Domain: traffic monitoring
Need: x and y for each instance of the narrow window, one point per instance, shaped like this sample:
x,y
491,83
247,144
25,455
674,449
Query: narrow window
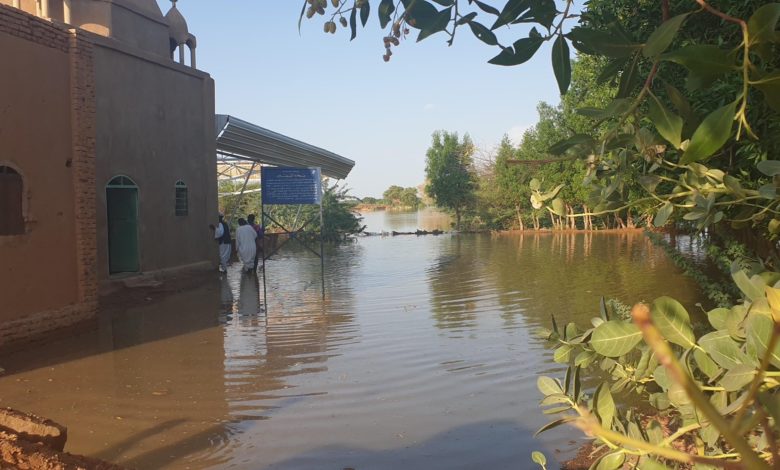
x,y
11,189
181,198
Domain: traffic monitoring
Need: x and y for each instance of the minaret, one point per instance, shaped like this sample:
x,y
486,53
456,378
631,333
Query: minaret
x,y
179,34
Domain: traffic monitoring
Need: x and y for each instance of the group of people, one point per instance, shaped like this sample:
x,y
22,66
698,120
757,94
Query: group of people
x,y
249,242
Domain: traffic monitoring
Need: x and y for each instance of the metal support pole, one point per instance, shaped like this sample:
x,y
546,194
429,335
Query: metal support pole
x,y
322,252
262,224
243,188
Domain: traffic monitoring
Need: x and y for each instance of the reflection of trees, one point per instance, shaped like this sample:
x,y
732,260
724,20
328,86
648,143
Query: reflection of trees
x,y
564,274
455,284
538,275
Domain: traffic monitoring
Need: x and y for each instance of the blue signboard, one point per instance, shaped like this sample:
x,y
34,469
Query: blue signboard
x,y
282,185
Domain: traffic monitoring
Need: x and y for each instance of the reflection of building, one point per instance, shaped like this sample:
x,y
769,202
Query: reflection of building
x,y
106,154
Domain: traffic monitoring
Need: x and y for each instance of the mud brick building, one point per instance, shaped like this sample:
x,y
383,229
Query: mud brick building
x,y
107,155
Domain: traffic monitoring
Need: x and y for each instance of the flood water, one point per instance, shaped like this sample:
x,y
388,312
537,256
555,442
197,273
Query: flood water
x,y
420,356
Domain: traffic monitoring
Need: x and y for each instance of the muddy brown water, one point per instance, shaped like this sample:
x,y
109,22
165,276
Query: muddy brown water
x,y
420,356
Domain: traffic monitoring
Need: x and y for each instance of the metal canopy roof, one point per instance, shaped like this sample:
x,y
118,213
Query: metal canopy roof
x,y
245,141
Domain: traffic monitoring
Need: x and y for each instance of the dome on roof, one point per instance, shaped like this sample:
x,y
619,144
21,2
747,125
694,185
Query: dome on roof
x,y
177,25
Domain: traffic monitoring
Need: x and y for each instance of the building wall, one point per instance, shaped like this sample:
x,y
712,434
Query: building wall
x,y
156,125
137,23
48,274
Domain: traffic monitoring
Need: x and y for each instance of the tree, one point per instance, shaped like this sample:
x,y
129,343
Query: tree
x,y
409,198
449,172
393,194
511,182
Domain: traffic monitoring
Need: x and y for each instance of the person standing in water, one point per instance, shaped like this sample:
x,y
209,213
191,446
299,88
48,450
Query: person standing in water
x,y
259,241
246,245
222,236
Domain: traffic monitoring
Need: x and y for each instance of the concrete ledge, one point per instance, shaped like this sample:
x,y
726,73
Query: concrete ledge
x,y
151,278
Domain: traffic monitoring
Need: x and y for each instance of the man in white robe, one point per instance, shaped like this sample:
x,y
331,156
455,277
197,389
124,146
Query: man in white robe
x,y
245,244
222,235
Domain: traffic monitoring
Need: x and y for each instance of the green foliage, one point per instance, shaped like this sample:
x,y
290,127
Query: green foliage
x,y
340,222
396,196
709,386
450,174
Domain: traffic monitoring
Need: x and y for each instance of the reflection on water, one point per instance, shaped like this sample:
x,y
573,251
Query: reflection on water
x,y
420,356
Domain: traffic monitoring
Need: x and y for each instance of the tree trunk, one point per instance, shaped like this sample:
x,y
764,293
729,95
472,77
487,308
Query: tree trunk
x,y
619,222
519,217
457,220
586,222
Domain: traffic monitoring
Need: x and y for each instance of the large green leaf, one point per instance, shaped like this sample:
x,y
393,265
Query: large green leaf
x,y
663,214
770,86
769,167
538,458
759,330
712,133
591,41
561,63
483,34
554,424
668,124
521,51
487,8
629,79
548,386
752,291
584,359
704,63
365,11
615,338
564,145
611,461
386,9
717,317
438,24
680,102
512,9
558,207
663,36
722,349
563,354
763,23
705,364
673,321
737,377
604,405
420,14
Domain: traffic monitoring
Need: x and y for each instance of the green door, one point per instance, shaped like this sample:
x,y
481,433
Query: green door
x,y
122,204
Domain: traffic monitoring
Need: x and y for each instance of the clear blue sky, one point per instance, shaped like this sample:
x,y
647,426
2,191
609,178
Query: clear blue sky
x,y
340,95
